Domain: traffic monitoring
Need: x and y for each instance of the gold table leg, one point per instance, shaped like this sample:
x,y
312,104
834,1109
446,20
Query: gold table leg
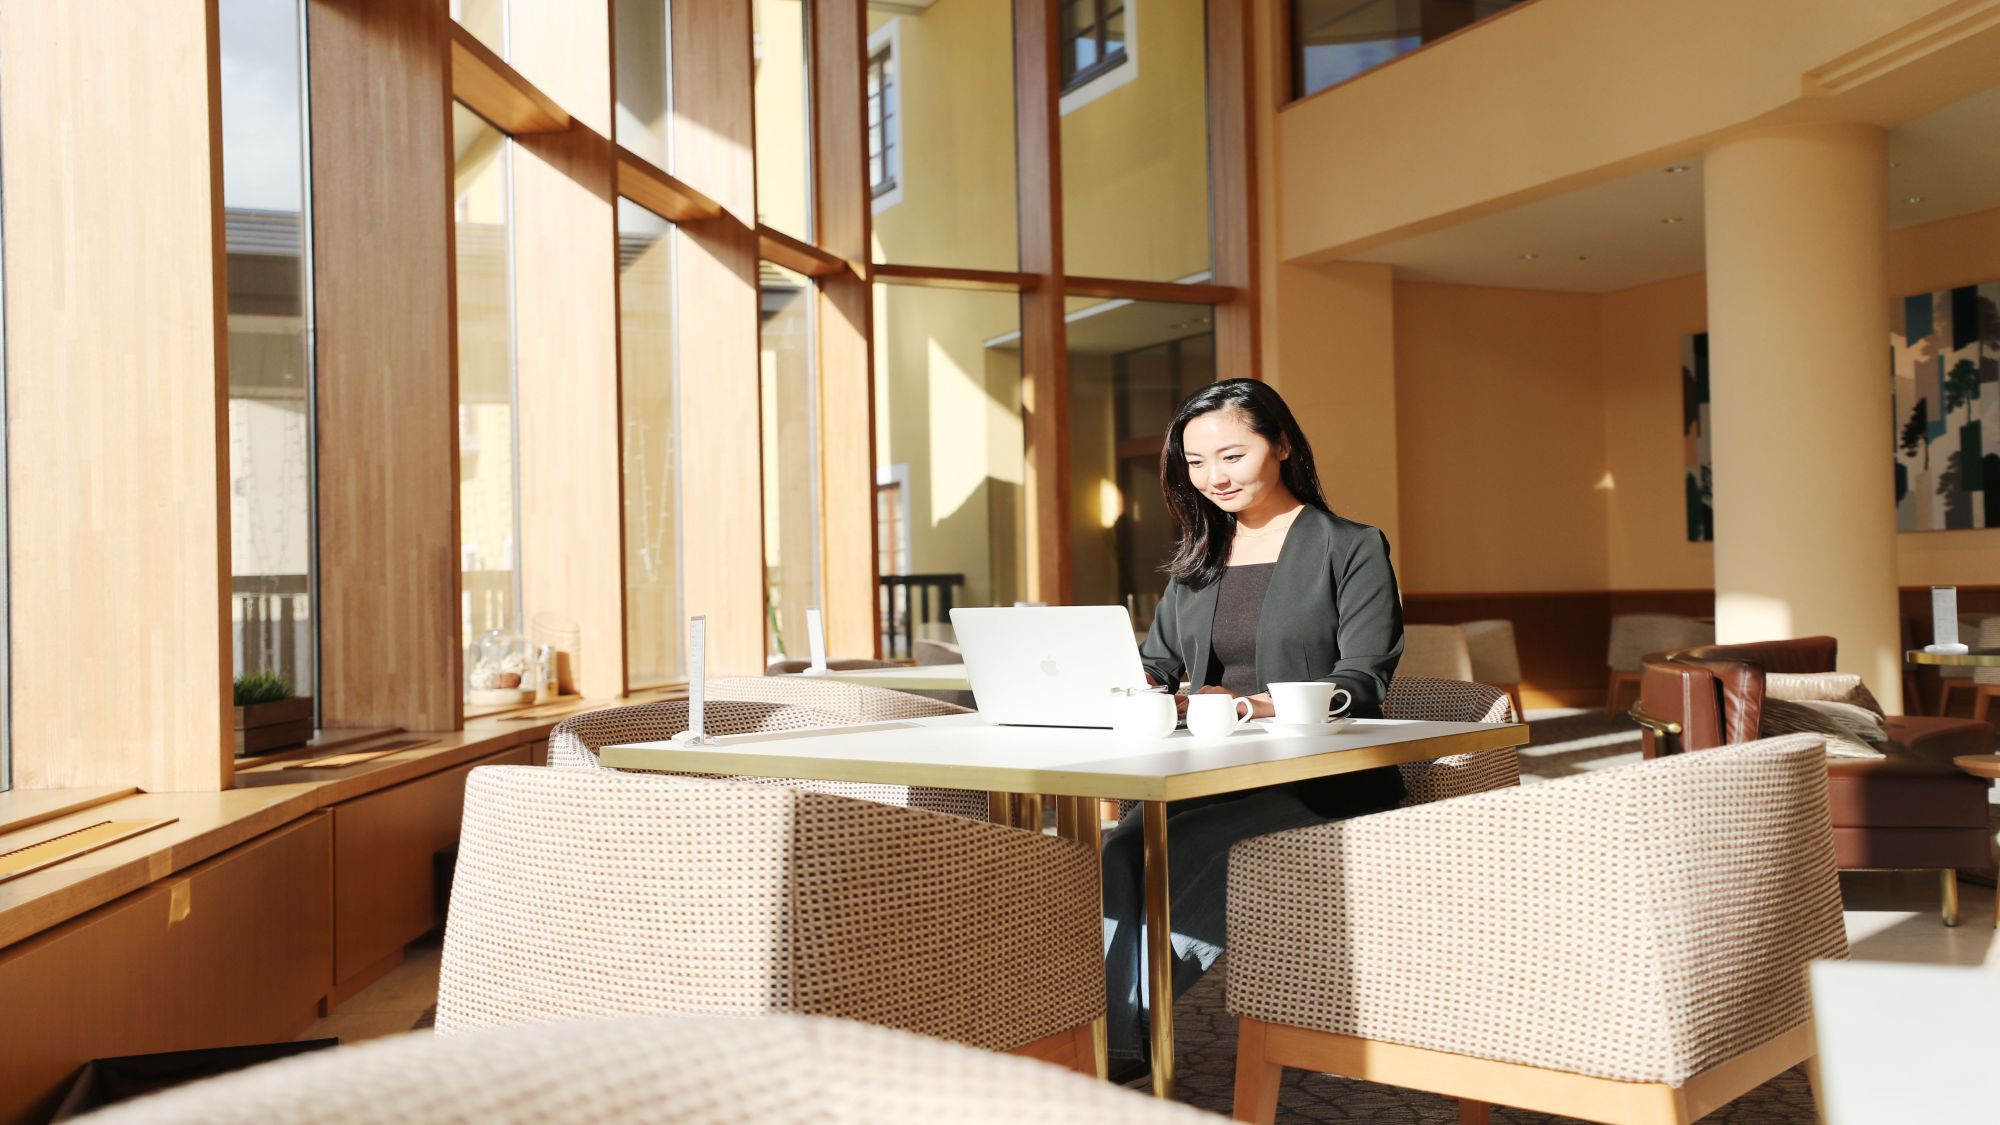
x,y
1077,819
1949,879
1159,950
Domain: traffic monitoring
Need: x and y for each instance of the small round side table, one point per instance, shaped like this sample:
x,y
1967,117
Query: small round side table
x,y
1988,767
1977,658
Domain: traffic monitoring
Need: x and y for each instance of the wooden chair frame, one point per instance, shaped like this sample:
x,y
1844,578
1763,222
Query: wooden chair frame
x,y
1265,1049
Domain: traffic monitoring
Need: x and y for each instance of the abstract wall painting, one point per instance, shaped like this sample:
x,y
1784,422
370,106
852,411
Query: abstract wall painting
x,y
1694,438
1945,350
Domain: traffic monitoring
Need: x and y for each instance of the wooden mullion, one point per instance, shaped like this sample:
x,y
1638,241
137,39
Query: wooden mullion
x,y
1232,132
566,376
497,92
646,184
949,277
796,255
716,309
843,199
1044,342
1135,290
385,299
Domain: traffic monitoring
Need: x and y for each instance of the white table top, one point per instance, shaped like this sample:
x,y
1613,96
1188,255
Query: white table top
x,y
918,677
967,752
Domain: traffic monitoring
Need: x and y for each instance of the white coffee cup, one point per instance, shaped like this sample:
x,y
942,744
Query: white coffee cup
x,y
1217,716
1307,703
1140,714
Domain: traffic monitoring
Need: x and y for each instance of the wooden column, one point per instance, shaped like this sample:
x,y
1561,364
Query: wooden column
x,y
846,319
566,347
117,384
1232,177
384,300
1044,343
715,296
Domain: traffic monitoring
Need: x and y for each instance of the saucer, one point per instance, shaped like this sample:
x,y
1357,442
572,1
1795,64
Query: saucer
x,y
1331,726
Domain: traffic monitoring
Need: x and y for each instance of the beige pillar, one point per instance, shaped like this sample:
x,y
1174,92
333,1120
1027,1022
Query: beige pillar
x,y
1798,345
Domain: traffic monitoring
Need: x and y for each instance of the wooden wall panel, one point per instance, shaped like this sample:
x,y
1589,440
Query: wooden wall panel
x,y
117,383
384,881
566,347
390,653
1044,340
846,322
715,294
1232,177
235,950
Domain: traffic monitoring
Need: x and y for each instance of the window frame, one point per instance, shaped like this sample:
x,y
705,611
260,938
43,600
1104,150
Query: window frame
x,y
886,43
1106,61
1105,75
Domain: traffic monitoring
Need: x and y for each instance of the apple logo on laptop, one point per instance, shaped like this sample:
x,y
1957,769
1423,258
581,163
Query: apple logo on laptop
x,y
1049,666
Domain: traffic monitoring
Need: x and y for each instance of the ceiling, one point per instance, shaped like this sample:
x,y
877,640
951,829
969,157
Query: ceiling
x,y
1617,234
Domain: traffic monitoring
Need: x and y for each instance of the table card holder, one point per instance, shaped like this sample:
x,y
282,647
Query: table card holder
x,y
697,682
816,642
1944,621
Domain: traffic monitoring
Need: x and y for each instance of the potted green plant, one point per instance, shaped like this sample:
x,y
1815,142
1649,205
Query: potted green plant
x,y
268,716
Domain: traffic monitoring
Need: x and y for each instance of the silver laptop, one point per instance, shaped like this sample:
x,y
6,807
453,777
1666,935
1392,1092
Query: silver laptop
x,y
1048,666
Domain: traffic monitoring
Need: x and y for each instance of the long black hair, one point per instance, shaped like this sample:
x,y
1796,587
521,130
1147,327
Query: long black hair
x,y
1201,545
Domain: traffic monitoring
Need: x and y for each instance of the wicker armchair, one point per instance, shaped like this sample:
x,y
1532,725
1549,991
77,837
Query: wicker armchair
x,y
1496,658
1453,701
1624,946
583,894
1435,652
688,1070
1635,636
574,742
853,703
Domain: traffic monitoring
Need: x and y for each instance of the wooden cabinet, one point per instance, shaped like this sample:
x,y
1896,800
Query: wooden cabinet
x,y
236,949
384,883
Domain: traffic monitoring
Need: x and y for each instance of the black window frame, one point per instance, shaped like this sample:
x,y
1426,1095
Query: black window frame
x,y
1101,11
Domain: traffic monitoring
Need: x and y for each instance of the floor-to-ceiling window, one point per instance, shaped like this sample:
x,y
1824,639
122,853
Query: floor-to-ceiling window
x,y
1130,364
791,457
489,512
651,447
271,444
948,453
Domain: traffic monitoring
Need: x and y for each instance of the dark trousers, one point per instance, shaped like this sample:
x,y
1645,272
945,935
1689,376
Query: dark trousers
x,y
1200,833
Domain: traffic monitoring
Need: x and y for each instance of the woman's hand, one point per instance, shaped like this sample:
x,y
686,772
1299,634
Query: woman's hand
x,y
1260,705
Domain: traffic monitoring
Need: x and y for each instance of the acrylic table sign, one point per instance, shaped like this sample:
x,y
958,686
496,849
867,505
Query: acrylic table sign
x,y
697,682
1944,621
816,640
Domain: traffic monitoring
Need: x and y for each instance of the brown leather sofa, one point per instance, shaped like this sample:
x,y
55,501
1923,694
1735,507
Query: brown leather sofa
x,y
1913,809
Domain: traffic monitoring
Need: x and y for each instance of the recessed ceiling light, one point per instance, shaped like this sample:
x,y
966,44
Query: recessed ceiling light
x,y
1529,257
1671,219
1914,199
1672,168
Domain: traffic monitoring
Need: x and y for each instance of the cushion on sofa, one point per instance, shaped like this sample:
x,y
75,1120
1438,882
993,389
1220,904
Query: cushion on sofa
x,y
1830,687
1782,716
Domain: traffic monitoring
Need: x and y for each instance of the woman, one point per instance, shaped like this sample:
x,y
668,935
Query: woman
x,y
1267,586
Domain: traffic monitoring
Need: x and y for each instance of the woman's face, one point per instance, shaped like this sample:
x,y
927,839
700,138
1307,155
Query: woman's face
x,y
1232,464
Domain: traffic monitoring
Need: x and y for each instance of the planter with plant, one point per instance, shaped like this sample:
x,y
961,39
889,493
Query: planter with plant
x,y
268,717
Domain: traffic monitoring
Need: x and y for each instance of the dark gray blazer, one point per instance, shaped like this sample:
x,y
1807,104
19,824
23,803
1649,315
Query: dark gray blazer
x,y
1332,613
